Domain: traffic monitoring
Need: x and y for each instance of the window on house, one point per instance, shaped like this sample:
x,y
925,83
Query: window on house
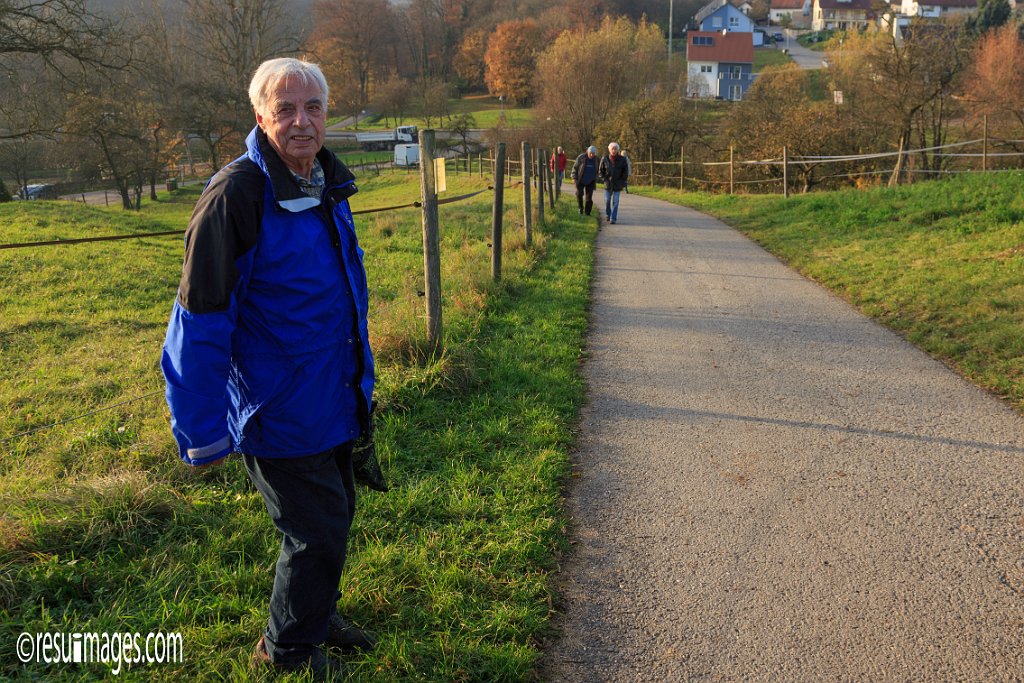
x,y
735,92
716,22
734,22
705,68
702,40
737,71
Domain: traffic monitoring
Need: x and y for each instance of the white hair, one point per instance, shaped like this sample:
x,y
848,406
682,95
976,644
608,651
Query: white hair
x,y
592,149
275,71
615,146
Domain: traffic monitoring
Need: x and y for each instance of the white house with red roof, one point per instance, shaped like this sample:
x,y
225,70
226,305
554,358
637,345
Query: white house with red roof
x,y
720,64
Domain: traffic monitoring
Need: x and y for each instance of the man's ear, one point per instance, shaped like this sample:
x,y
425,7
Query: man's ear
x,y
259,120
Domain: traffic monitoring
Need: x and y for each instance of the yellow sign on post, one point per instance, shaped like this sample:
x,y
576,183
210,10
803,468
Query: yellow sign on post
x,y
439,181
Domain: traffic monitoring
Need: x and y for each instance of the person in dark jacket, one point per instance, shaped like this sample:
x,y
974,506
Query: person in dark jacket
x,y
584,175
267,352
614,171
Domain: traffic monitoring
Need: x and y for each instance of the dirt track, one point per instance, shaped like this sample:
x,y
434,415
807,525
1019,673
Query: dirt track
x,y
771,487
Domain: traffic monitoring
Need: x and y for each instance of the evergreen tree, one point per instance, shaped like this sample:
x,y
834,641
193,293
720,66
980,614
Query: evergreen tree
x,y
991,14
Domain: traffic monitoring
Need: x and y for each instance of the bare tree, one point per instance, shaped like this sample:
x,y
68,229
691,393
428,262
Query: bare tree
x,y
45,45
433,101
351,37
61,32
461,125
895,84
228,40
116,134
393,99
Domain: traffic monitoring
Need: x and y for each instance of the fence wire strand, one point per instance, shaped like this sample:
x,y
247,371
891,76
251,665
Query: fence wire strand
x,y
79,417
138,235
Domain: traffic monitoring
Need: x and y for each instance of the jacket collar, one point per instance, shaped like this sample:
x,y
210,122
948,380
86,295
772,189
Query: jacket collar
x,y
287,193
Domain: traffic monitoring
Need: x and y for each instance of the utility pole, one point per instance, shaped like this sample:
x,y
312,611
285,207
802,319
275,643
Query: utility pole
x,y
670,3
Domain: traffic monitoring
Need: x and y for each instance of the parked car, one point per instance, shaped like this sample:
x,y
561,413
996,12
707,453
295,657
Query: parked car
x,y
39,191
778,37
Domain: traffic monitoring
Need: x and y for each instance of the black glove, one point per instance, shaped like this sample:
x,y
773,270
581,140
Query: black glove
x,y
365,467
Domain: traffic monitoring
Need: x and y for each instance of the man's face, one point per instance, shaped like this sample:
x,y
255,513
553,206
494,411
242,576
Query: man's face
x,y
590,154
294,123
613,151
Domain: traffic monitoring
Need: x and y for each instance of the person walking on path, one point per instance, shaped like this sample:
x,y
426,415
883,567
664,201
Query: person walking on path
x,y
267,352
614,172
584,175
557,164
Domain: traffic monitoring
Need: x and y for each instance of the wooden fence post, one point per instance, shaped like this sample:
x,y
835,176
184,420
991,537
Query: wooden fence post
x,y
650,157
550,175
558,183
682,167
785,171
540,186
498,213
431,242
731,171
527,209
984,146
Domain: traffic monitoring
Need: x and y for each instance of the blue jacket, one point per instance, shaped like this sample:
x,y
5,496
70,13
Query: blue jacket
x,y
584,171
267,351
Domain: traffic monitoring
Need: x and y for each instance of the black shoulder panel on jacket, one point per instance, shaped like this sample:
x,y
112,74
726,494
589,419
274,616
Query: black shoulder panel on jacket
x,y
225,224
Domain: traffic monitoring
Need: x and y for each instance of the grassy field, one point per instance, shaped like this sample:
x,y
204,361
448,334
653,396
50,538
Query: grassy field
x,y
941,262
769,56
102,528
486,110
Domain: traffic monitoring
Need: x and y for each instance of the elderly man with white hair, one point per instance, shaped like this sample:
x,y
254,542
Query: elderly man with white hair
x,y
267,353
614,171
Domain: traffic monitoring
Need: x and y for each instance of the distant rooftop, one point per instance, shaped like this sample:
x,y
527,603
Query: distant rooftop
x,y
724,47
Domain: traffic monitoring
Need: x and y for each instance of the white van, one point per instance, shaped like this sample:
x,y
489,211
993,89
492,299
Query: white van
x,y
407,155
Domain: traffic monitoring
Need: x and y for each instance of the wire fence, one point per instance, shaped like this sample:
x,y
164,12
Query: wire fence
x,y
165,233
788,171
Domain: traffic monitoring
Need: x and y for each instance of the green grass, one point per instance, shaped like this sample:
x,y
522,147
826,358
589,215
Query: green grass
x,y
103,529
941,262
769,56
359,157
486,110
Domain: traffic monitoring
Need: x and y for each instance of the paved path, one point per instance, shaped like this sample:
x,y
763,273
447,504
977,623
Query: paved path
x,y
770,487
804,57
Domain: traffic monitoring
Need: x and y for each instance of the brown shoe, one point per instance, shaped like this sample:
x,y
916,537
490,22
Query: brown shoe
x,y
347,637
322,667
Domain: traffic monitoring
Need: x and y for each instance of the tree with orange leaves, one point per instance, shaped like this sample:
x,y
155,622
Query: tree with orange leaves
x,y
512,59
996,81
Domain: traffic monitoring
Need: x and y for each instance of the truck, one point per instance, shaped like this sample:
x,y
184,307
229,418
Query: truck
x,y
407,155
389,138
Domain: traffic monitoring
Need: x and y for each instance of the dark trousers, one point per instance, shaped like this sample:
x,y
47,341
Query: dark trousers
x,y
311,500
589,189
